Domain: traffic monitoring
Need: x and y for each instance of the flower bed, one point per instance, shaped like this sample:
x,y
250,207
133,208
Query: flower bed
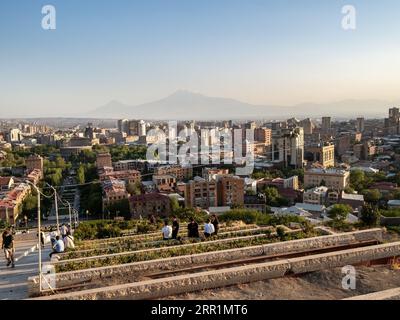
x,y
173,252
133,244
93,244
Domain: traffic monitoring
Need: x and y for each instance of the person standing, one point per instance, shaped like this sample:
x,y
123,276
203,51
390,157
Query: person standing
x,y
69,241
215,222
175,228
193,229
63,230
8,246
208,229
42,238
166,231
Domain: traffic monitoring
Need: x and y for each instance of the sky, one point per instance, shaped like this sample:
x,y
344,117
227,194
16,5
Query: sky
x,y
257,51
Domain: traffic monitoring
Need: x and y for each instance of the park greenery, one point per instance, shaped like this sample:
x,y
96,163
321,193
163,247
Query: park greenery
x,y
177,251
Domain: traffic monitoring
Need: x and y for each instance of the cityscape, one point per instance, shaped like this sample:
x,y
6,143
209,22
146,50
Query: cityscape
x,y
197,196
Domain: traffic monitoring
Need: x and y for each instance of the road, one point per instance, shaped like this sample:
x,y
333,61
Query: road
x,y
13,282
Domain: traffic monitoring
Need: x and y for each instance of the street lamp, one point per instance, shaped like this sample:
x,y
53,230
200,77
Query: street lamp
x,y
56,206
39,234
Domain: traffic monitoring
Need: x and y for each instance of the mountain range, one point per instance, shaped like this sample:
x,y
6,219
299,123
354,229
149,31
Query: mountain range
x,y
186,105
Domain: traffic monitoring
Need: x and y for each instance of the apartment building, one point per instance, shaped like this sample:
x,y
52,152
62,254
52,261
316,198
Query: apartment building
x,y
317,195
336,179
181,173
230,190
148,204
103,160
324,154
201,193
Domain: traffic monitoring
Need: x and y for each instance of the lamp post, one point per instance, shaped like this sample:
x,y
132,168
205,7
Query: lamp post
x,y
39,234
55,206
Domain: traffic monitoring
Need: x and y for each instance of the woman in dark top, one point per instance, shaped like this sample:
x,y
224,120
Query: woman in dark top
x,y
175,228
215,222
193,229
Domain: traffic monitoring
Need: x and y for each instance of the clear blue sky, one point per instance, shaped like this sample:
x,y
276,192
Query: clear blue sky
x,y
258,51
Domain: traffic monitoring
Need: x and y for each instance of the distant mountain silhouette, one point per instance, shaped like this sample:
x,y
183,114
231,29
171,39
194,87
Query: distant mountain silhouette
x,y
188,105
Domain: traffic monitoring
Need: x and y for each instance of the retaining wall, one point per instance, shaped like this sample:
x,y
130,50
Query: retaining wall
x,y
159,288
74,277
391,294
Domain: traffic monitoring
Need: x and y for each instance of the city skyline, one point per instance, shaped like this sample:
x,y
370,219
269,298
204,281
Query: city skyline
x,y
261,53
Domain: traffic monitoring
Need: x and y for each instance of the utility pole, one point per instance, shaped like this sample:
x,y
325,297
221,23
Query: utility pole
x,y
39,234
55,206
70,214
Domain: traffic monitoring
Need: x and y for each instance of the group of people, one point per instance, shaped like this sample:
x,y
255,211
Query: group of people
x,y
63,241
211,228
8,246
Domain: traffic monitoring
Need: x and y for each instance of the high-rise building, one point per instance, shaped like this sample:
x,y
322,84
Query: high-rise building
x,y
326,124
343,144
307,125
142,128
263,135
14,136
288,147
133,127
392,124
123,125
89,131
360,125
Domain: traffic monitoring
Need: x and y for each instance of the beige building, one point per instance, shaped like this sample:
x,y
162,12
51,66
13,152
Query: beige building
x,y
323,154
336,179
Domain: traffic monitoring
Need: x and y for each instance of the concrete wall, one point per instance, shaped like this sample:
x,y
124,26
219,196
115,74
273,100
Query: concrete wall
x,y
159,288
391,294
74,277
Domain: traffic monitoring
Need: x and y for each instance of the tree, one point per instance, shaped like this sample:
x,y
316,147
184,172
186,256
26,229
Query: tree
x,y
271,194
174,204
339,212
29,205
357,179
134,188
80,174
372,195
370,215
120,208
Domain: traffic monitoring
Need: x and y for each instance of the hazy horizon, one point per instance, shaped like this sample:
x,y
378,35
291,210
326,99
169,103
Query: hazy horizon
x,y
258,52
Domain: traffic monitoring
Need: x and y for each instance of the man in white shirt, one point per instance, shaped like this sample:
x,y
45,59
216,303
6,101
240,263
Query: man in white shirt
x,y
167,231
58,246
208,229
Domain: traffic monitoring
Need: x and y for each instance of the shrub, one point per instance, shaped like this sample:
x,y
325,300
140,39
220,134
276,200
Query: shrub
x,y
280,231
98,229
370,215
